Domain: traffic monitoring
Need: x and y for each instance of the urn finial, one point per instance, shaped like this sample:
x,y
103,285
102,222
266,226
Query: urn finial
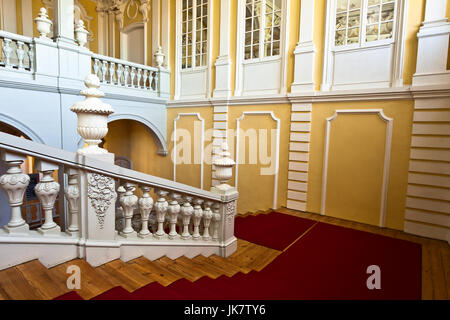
x,y
224,166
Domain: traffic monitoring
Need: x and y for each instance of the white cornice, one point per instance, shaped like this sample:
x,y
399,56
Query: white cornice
x,y
402,93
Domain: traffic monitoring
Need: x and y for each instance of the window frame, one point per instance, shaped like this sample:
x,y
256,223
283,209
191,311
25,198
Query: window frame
x,y
193,67
362,26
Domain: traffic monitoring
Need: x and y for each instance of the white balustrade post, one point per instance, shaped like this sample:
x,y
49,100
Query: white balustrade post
x,y
47,190
14,182
173,210
104,70
125,75
139,76
119,75
72,194
6,49
144,81
20,54
111,72
207,216
145,207
120,218
128,202
198,214
186,213
31,56
216,219
132,76
161,208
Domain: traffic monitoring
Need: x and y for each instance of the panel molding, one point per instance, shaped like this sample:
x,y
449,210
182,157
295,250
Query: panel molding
x,y
277,152
175,144
387,156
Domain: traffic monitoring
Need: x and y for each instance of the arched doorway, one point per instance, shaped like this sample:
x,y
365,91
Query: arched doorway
x,y
31,207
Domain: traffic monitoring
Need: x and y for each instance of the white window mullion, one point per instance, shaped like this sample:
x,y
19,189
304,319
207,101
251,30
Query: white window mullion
x,y
363,23
194,32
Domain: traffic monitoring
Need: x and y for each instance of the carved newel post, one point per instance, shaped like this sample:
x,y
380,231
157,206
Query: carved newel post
x,y
72,194
14,182
47,190
128,202
145,207
92,116
173,210
43,23
186,213
161,208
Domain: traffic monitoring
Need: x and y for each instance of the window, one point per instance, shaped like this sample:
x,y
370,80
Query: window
x,y
262,28
194,33
363,21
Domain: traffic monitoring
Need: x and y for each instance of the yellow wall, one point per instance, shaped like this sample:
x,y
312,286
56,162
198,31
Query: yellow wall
x,y
363,165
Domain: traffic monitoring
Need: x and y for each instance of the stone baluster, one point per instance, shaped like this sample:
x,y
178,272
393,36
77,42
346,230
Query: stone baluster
x,y
104,69
216,220
119,74
125,75
173,211
198,214
20,54
144,80
120,217
14,182
132,76
47,190
153,81
161,208
31,56
186,213
139,76
96,66
207,216
128,202
72,193
6,49
145,207
111,72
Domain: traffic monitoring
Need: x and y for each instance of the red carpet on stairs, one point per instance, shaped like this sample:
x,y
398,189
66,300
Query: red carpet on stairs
x,y
328,262
274,230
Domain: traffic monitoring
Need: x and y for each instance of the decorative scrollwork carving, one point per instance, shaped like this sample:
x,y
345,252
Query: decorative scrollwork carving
x,y
102,195
230,210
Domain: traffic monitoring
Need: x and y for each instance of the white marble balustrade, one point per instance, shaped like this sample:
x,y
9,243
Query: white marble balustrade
x,y
125,73
16,51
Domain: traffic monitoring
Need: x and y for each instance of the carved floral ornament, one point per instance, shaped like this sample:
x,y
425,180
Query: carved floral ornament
x,y
230,209
101,193
121,7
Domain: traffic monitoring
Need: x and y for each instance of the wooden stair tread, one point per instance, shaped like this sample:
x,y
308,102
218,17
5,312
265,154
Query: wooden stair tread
x,y
218,266
155,270
91,284
177,268
229,267
194,269
41,278
210,269
14,286
122,274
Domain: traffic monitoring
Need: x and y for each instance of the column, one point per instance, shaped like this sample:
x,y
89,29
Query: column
x,y
305,51
223,62
433,41
165,31
63,21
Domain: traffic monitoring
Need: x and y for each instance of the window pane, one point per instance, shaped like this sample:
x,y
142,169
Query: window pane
x,y
276,48
276,33
387,12
373,14
353,18
339,38
255,37
268,20
256,23
355,4
353,36
268,35
268,49
184,4
247,54
248,24
371,2
248,38
372,33
204,60
257,8
341,20
277,5
256,51
269,6
341,5
386,30
248,11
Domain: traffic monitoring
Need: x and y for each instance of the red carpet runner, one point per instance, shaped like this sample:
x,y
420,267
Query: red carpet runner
x,y
329,262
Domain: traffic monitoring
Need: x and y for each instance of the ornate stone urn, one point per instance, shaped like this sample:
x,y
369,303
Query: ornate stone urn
x,y
43,23
159,57
81,33
224,168
92,116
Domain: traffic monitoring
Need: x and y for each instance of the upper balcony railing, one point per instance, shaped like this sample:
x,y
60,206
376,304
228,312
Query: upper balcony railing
x,y
42,61
180,220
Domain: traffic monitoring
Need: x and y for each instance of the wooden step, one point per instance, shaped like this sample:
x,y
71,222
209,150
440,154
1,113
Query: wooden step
x,y
14,286
210,269
92,283
122,274
219,267
178,269
229,267
194,269
154,270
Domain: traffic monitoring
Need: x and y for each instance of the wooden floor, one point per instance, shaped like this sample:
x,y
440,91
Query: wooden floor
x,y
32,280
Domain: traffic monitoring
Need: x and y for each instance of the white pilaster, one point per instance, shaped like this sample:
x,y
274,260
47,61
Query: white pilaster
x,y
63,20
165,31
305,51
433,41
223,61
156,26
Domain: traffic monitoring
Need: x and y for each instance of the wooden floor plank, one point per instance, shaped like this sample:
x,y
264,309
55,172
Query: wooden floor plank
x,y
91,283
427,280
122,274
189,264
226,269
155,271
178,269
230,267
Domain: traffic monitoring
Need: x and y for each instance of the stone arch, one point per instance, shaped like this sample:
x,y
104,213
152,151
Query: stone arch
x,y
27,131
